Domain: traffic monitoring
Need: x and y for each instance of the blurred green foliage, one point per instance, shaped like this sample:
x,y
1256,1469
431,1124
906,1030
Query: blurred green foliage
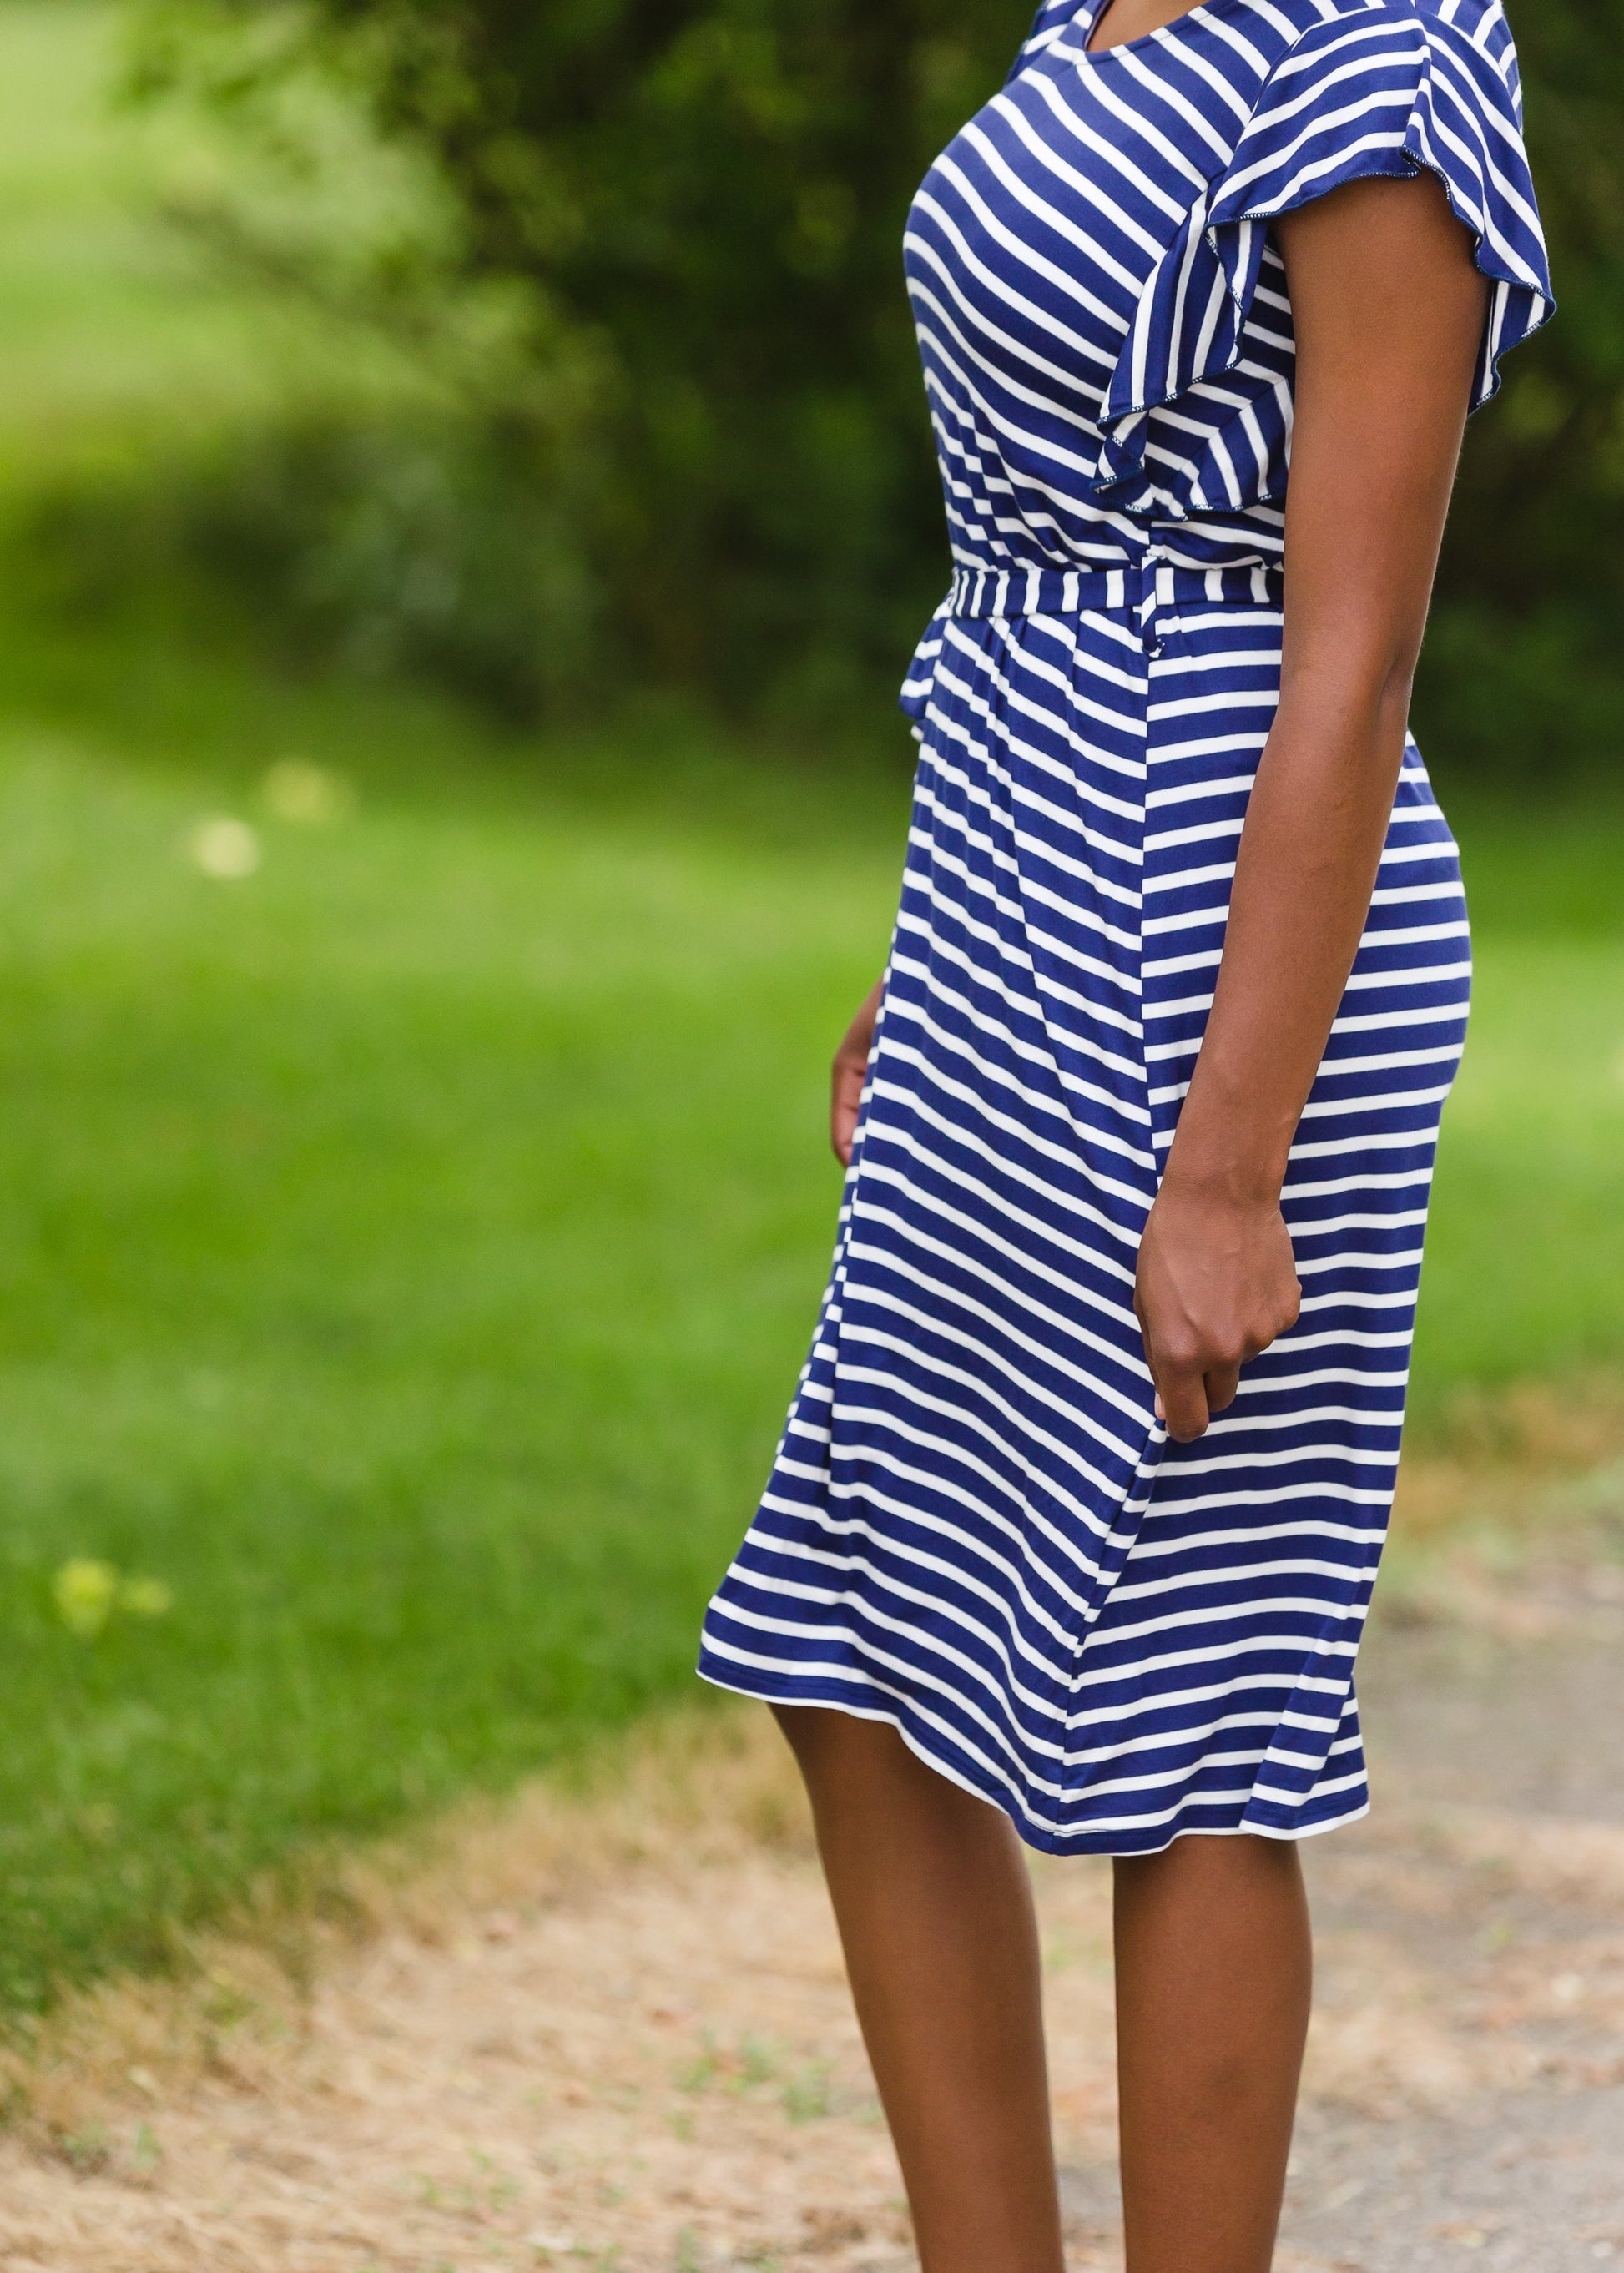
x,y
1524,670
717,473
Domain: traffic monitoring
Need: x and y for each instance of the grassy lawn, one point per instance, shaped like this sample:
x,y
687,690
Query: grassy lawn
x,y
406,1248
1525,1250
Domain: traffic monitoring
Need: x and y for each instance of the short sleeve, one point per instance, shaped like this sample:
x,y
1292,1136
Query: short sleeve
x,y
1385,88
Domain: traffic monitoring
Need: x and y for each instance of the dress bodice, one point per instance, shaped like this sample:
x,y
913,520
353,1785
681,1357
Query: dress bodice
x,y
1104,324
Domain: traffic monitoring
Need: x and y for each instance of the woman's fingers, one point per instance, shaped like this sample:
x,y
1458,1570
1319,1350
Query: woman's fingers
x,y
1187,1396
849,1074
845,1095
1222,1383
1183,1402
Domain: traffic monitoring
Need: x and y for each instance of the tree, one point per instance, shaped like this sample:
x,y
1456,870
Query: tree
x,y
701,202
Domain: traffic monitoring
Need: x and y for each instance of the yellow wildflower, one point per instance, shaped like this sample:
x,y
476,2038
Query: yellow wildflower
x,y
86,1591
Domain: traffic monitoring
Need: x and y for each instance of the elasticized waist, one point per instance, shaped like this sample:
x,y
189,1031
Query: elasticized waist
x,y
1151,583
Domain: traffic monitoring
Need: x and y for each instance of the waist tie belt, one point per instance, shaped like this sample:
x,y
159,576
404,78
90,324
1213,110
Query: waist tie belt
x,y
1142,590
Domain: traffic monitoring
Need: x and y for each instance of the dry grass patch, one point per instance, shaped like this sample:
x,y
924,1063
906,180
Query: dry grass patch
x,y
710,1785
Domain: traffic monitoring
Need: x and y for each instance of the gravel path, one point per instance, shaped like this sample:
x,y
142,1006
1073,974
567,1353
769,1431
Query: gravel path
x,y
576,2041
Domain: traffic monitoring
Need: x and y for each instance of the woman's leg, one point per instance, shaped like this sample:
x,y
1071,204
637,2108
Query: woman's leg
x,y
1213,1975
934,1910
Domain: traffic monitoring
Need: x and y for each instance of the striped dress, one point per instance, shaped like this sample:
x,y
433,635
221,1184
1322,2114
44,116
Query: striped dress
x,y
974,1528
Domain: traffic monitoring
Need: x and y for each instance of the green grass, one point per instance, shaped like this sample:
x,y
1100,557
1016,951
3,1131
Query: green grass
x,y
406,1251
1524,1277
1525,1251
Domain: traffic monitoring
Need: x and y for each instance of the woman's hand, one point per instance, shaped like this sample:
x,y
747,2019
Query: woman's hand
x,y
848,1075
1217,1282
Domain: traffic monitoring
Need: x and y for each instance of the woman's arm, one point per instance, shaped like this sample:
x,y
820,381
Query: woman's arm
x,y
1388,310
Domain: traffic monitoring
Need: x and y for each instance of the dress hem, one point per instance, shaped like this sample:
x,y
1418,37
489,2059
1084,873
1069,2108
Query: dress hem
x,y
766,1694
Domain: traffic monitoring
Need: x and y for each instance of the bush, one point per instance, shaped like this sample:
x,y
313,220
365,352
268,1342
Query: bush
x,y
383,550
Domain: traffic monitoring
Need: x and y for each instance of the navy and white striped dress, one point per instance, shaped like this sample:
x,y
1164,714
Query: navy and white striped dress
x,y
974,1528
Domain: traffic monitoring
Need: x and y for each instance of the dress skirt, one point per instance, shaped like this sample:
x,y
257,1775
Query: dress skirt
x,y
974,1528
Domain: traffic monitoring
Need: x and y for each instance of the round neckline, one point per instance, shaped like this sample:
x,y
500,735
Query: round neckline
x,y
1094,9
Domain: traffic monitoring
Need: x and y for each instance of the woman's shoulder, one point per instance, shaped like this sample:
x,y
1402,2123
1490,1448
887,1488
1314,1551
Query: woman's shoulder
x,y
1480,25
1368,87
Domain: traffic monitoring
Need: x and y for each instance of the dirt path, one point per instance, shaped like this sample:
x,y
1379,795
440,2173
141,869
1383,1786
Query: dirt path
x,y
579,2044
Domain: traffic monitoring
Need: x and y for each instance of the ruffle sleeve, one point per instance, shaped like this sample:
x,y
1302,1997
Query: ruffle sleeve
x,y
1197,415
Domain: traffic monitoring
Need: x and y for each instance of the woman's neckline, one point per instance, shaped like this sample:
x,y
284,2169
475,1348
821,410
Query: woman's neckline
x,y
1088,20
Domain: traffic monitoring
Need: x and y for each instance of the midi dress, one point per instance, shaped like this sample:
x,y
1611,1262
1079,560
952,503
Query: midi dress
x,y
975,1528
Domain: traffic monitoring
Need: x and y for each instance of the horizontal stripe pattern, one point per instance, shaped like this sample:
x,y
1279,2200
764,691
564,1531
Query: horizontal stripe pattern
x,y
1104,322
974,1528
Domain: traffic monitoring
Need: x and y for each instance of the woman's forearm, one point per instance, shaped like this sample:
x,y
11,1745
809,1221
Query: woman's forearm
x,y
1304,874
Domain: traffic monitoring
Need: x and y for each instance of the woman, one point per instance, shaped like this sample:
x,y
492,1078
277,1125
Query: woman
x,y
1081,1495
